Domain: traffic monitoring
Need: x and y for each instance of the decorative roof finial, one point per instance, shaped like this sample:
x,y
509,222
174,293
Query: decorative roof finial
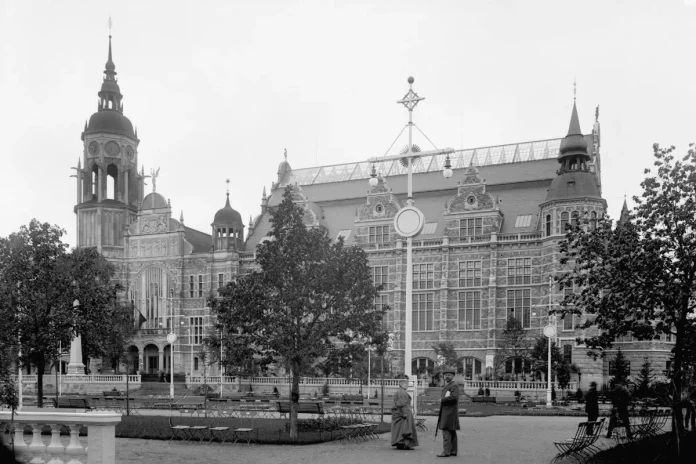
x,y
263,195
251,222
596,114
286,153
110,24
575,88
181,217
227,181
110,63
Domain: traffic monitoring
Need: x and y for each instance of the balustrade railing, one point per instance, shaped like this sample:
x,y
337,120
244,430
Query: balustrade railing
x,y
51,379
99,447
514,385
318,381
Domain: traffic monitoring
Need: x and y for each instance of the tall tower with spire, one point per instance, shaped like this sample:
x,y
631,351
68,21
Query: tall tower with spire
x,y
575,192
109,187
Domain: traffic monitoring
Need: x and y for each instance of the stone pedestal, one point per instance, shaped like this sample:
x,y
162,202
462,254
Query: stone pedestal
x,y
75,367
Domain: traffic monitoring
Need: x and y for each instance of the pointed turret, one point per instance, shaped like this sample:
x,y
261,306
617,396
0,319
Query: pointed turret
x,y
625,215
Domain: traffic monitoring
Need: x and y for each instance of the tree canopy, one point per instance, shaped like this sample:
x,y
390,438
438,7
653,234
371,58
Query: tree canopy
x,y
311,296
639,276
39,283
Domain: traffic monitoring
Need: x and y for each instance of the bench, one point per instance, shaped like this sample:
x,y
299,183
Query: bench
x,y
483,399
72,403
581,446
350,399
303,408
188,402
111,393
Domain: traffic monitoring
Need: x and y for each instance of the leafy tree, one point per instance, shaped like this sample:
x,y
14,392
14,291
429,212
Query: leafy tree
x,y
621,369
563,375
120,334
539,357
39,282
645,378
446,352
639,277
310,296
514,346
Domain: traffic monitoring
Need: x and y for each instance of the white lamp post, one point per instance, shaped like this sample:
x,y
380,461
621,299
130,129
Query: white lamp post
x,y
549,332
409,220
171,338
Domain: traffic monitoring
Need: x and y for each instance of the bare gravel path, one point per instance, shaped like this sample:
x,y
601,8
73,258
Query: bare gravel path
x,y
496,439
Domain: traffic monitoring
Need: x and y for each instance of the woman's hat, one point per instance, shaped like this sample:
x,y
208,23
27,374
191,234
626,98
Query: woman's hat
x,y
450,369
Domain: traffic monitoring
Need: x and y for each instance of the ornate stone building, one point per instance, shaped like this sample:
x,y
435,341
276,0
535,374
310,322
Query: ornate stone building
x,y
487,251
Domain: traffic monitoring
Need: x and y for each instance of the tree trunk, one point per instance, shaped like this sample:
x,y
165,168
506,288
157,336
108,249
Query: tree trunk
x,y
294,398
40,368
677,378
381,396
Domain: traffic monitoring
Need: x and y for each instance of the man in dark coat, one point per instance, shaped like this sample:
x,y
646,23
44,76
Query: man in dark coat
x,y
592,406
448,419
620,399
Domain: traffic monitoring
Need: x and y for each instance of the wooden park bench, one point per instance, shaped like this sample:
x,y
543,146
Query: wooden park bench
x,y
352,399
107,394
303,408
72,403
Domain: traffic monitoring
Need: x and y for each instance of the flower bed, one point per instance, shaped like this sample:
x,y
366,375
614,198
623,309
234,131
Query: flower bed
x,y
267,431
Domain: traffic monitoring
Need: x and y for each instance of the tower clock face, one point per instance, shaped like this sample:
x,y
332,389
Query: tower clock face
x,y
94,148
112,148
130,153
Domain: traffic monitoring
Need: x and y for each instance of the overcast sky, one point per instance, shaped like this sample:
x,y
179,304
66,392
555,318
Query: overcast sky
x,y
219,89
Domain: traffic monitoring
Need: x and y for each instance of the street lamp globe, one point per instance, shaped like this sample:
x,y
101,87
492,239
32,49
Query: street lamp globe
x,y
171,337
373,176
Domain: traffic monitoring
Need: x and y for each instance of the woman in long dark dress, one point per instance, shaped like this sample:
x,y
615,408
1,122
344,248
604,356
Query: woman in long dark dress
x,y
403,427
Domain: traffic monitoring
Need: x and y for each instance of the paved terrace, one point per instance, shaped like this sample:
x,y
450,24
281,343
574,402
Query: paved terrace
x,y
497,439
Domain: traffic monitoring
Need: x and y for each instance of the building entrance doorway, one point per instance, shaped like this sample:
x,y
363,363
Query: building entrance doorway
x,y
152,364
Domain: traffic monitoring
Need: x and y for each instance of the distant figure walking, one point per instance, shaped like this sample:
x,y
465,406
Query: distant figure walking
x,y
620,398
403,429
592,406
448,419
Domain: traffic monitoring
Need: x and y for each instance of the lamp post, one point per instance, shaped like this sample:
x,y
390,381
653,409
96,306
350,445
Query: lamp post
x,y
409,220
549,332
20,373
171,338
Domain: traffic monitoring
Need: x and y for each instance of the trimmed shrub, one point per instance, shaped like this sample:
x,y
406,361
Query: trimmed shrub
x,y
480,391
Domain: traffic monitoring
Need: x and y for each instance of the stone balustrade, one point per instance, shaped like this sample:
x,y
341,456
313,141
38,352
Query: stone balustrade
x,y
513,385
51,379
312,381
99,447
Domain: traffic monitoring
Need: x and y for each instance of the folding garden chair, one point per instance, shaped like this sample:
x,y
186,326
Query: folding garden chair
x,y
198,431
242,430
182,432
217,429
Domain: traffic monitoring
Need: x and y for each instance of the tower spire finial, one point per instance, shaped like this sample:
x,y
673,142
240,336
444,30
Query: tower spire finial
x,y
227,181
575,89
285,153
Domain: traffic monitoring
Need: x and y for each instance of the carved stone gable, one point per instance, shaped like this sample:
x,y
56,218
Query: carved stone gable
x,y
471,195
380,203
156,223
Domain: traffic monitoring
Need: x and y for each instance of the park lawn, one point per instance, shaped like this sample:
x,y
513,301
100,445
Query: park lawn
x,y
267,431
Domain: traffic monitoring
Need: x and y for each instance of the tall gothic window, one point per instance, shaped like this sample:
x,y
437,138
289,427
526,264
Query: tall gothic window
x,y
519,306
564,222
519,271
593,220
469,310
378,234
422,311
469,274
423,276
548,225
470,227
576,218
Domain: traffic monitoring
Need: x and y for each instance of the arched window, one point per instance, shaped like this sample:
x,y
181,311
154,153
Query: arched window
x,y
593,220
576,218
548,225
420,366
95,181
112,182
469,367
564,222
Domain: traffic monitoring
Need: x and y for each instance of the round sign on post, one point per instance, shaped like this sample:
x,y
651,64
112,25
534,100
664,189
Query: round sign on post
x,y
549,331
171,337
408,221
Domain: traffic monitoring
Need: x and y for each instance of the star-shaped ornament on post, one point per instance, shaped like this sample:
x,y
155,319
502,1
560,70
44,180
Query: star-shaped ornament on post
x,y
411,98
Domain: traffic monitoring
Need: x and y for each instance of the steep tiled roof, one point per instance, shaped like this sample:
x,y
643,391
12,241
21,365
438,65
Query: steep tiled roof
x,y
200,241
